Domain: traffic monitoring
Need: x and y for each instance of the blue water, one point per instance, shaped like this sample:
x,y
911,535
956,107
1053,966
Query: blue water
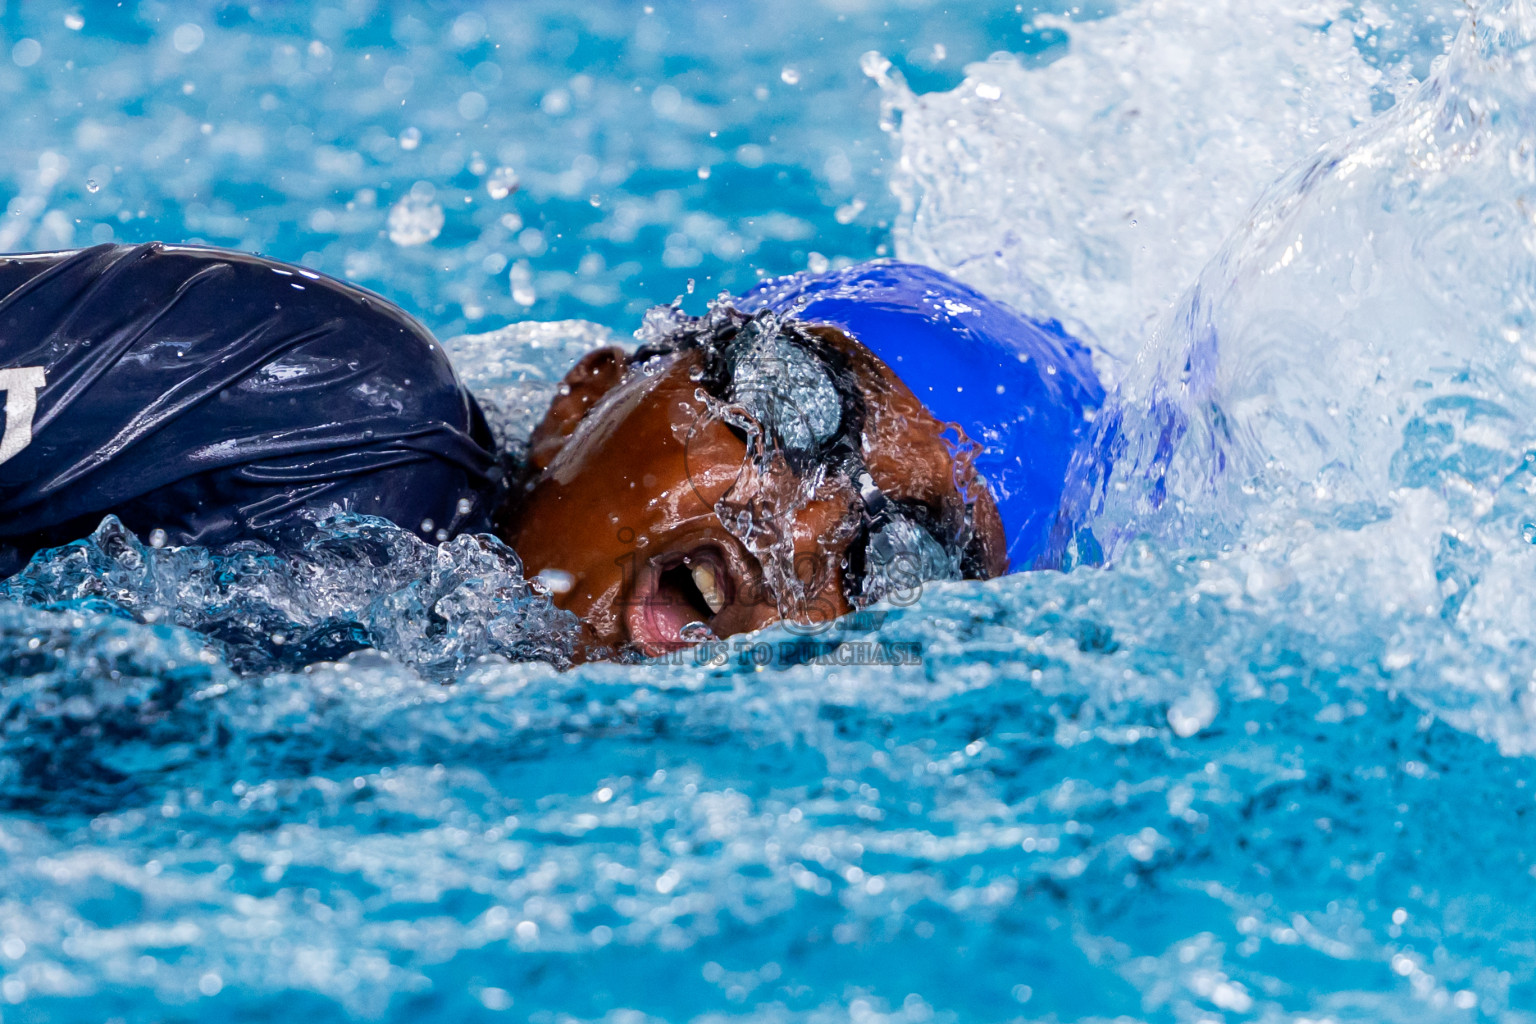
x,y
1273,763
291,131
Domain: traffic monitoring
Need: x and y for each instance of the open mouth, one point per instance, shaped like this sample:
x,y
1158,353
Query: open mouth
x,y
680,598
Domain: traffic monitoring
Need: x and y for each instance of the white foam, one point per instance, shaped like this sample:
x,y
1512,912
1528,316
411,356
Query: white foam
x,y
1334,417
1094,187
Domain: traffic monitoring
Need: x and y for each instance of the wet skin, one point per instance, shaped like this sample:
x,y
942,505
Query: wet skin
x,y
631,465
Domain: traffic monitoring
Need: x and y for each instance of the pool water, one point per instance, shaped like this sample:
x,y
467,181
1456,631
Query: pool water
x,y
1272,762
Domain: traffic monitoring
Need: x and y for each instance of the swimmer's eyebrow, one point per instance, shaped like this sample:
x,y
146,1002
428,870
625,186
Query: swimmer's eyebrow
x,y
932,495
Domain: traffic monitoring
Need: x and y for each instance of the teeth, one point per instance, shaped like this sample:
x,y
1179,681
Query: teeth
x,y
704,579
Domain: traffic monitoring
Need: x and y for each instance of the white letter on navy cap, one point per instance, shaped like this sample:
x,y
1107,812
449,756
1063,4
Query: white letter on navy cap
x,y
20,385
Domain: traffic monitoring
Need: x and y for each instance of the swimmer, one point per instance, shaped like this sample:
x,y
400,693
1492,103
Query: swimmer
x,y
810,447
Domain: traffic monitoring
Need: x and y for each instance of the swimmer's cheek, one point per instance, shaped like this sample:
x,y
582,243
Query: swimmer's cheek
x,y
602,621
823,531
988,547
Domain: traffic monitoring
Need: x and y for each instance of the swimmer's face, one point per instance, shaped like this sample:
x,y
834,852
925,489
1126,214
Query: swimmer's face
x,y
637,462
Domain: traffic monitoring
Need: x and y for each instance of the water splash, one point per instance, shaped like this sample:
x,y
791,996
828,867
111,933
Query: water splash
x,y
1287,781
535,824
784,388
1364,341
1093,187
514,371
350,582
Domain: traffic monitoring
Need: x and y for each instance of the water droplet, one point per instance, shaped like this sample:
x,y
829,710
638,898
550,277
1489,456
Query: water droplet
x,y
410,138
501,183
874,64
73,21
847,213
790,76
556,103
817,263
91,185
1192,713
472,106
414,220
696,633
468,29
556,581
533,242
522,284
187,38
667,100
26,52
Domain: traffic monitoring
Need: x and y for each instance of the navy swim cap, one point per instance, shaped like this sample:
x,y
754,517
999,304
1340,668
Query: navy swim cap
x,y
1022,389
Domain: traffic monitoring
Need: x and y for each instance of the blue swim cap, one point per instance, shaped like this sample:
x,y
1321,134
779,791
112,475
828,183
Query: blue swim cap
x,y
1022,389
